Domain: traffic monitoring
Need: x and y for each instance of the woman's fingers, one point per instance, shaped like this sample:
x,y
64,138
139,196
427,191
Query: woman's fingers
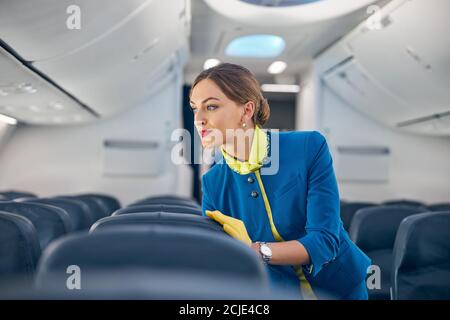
x,y
237,235
209,214
216,215
231,231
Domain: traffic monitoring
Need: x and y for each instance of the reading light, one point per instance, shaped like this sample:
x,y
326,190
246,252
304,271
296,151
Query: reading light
x,y
8,120
277,67
210,63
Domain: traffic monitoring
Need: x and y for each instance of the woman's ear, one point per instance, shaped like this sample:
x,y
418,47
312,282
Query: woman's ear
x,y
249,110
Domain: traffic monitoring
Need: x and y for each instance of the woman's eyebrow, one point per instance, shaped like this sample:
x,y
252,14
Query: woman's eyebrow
x,y
204,101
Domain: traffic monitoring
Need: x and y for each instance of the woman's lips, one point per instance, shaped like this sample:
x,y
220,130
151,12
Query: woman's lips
x,y
205,132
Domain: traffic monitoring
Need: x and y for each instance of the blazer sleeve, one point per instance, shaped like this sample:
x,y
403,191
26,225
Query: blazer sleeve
x,y
322,211
206,202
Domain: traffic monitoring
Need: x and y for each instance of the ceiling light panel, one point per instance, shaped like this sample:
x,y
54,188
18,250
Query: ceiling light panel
x,y
256,46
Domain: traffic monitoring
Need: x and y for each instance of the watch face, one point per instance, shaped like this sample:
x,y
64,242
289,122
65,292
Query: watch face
x,y
265,250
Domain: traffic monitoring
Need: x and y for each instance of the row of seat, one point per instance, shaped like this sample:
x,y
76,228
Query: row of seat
x,y
166,236
163,236
83,210
28,225
376,231
349,208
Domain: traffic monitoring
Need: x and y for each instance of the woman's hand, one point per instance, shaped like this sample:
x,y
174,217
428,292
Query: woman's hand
x,y
255,248
234,227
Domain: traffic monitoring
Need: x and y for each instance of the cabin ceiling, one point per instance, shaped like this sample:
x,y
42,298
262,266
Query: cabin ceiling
x,y
211,32
113,61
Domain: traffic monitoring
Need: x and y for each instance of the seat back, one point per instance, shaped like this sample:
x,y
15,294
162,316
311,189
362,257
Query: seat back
x,y
102,206
168,201
50,222
149,247
85,207
139,284
421,267
348,210
159,208
96,209
439,207
158,218
168,197
12,194
81,220
19,249
110,203
375,228
404,202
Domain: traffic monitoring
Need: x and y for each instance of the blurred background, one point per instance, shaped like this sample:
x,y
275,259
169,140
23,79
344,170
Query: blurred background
x,y
93,95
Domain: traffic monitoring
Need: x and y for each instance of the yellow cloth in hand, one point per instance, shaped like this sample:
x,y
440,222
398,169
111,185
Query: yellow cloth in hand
x,y
234,227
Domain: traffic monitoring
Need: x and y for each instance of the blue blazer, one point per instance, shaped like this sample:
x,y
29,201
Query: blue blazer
x,y
304,198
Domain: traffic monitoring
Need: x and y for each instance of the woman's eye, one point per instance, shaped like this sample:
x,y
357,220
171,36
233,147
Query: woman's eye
x,y
194,110
211,107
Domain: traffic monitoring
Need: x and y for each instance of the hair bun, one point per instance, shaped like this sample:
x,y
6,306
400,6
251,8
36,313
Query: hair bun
x,y
263,112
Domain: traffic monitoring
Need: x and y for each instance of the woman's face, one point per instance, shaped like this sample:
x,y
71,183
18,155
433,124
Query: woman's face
x,y
216,117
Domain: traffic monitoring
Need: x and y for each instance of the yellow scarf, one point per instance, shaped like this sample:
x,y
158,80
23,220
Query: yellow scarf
x,y
258,152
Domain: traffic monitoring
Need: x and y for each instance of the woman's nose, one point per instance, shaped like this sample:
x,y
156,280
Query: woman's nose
x,y
199,119
199,123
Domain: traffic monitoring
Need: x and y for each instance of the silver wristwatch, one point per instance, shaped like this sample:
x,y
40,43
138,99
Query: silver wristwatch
x,y
265,251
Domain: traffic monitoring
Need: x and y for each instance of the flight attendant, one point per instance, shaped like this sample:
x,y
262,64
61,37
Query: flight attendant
x,y
290,216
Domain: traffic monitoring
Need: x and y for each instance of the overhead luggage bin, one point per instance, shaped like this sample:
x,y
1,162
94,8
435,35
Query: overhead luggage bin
x,y
100,65
410,92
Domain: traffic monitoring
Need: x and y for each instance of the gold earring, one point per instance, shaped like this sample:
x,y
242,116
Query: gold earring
x,y
244,124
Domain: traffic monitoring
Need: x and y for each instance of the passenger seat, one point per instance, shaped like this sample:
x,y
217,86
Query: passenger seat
x,y
159,218
373,230
12,194
168,200
150,248
19,251
159,208
50,222
439,206
81,220
421,268
348,210
109,202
